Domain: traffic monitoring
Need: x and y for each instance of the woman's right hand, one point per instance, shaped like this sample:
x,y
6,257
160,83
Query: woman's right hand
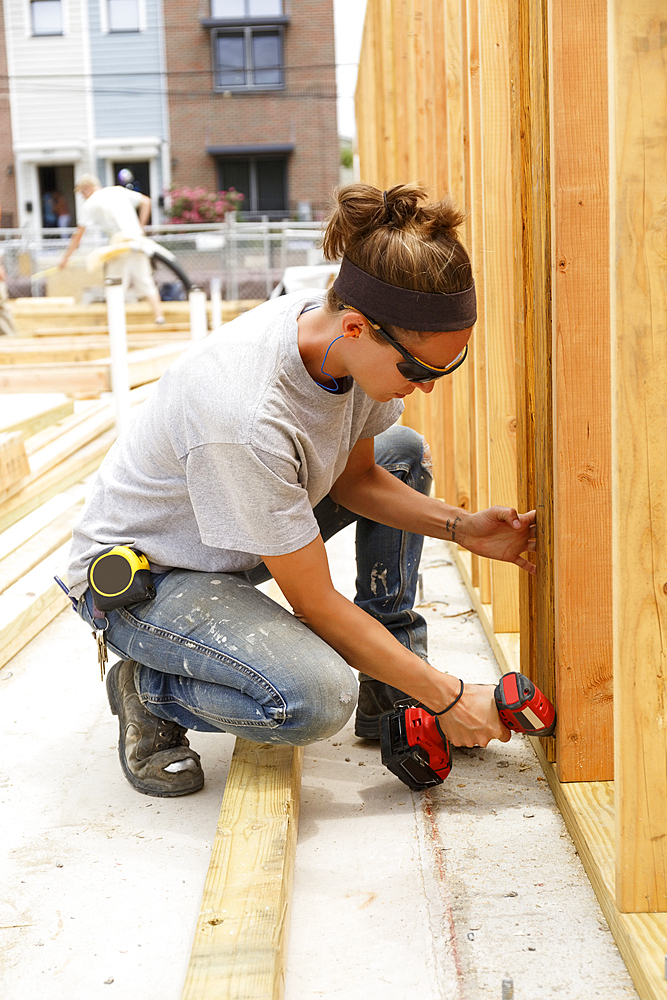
x,y
474,719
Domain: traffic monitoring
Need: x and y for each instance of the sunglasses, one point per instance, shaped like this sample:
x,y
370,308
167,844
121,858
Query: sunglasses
x,y
412,368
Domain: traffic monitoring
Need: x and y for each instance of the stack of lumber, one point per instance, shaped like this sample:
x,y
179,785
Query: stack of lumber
x,y
41,494
34,316
64,347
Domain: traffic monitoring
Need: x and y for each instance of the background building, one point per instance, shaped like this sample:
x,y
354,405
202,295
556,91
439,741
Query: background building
x,y
198,93
252,100
86,86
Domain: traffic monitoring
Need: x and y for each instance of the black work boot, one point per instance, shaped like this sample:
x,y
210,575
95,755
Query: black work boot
x,y
155,755
375,698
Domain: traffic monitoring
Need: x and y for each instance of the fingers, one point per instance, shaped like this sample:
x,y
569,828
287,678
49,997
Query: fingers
x,y
524,564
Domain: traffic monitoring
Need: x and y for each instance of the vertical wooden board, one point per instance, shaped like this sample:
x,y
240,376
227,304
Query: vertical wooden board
x,y
582,400
240,941
639,448
364,100
441,135
479,426
399,33
411,92
522,227
531,151
498,287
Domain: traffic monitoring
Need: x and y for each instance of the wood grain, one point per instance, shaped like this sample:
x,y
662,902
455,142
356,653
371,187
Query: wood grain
x,y
240,941
639,394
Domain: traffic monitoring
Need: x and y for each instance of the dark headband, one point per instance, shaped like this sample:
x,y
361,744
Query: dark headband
x,y
423,311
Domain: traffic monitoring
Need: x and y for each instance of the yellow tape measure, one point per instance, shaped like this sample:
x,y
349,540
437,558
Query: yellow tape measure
x,y
118,576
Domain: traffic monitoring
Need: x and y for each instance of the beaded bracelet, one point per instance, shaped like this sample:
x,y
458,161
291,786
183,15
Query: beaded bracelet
x,y
453,703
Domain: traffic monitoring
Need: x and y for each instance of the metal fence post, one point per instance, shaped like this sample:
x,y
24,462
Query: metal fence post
x,y
216,303
198,318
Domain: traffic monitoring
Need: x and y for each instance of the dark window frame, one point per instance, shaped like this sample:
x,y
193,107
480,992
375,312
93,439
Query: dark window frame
x,y
46,34
250,204
248,31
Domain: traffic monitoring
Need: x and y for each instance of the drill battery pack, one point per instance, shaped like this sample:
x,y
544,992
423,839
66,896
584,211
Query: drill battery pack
x,y
119,576
405,733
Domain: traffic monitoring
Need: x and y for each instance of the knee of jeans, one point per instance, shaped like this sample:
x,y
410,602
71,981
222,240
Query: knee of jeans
x,y
318,718
404,447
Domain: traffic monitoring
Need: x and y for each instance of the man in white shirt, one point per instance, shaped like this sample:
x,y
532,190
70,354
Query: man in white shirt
x,y
114,210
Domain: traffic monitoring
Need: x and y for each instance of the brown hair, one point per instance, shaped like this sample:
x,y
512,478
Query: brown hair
x,y
398,239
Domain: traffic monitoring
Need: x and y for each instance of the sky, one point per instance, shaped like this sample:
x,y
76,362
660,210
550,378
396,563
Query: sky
x,y
348,27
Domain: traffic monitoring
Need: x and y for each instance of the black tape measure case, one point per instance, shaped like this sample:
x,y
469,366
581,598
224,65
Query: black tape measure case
x,y
119,576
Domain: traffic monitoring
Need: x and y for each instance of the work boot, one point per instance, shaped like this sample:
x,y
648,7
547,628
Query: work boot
x,y
154,754
375,698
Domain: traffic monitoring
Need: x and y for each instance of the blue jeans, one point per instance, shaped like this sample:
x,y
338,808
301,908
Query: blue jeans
x,y
215,654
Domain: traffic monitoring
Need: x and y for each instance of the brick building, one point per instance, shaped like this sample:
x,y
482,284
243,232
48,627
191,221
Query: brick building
x,y
252,100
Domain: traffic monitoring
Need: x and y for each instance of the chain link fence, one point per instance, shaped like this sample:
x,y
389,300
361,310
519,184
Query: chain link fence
x,y
247,258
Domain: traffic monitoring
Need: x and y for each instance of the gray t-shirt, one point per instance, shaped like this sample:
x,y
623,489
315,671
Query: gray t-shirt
x,y
225,461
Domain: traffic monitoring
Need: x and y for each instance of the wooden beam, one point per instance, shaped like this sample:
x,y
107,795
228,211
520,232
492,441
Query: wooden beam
x,y
45,541
31,603
42,415
240,942
57,479
498,285
14,464
90,376
639,394
581,385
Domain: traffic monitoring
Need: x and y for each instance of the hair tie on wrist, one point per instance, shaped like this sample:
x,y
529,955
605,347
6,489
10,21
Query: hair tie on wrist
x,y
454,702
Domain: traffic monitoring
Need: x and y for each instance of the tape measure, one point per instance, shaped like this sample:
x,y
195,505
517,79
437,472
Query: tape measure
x,y
119,576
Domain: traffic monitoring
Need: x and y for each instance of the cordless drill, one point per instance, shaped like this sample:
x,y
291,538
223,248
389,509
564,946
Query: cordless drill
x,y
416,750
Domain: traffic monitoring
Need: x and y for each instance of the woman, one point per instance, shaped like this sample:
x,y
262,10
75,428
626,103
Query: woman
x,y
255,447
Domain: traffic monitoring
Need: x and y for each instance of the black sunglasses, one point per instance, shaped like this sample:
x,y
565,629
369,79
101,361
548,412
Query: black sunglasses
x,y
412,368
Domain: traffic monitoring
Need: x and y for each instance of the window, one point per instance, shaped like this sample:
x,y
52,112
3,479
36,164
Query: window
x,y
248,58
47,17
230,9
123,15
262,179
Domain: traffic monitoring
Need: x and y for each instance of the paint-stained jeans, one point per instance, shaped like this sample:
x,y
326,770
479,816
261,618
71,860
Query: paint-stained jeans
x,y
215,654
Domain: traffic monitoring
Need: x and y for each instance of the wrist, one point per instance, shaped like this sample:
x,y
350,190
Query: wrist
x,y
447,691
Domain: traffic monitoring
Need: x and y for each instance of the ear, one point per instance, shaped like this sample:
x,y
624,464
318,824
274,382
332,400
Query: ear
x,y
353,324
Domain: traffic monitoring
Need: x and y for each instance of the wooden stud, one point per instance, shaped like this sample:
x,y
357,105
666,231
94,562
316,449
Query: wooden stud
x,y
639,394
240,942
498,283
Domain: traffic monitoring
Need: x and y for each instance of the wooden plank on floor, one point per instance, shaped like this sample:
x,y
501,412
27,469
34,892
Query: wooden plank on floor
x,y
240,944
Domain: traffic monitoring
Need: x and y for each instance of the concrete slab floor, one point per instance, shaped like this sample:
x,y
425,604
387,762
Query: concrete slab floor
x,y
441,894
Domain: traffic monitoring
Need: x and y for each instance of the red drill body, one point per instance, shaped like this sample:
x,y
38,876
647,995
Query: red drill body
x,y
417,751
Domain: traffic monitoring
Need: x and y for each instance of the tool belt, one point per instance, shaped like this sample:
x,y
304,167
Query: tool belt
x,y
119,576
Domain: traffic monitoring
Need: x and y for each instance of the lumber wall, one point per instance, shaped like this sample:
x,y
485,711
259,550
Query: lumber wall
x,y
507,107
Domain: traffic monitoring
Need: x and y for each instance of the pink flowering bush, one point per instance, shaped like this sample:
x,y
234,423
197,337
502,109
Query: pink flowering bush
x,y
192,205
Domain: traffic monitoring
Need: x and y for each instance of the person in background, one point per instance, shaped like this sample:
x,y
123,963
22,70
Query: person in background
x,y
114,210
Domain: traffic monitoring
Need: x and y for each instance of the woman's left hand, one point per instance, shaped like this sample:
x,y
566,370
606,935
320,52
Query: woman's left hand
x,y
498,533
